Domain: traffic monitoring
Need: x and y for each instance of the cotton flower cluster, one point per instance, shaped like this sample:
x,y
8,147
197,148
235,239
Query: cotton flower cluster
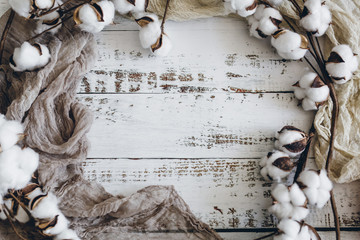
x,y
130,6
341,64
31,8
316,186
315,17
289,202
311,91
291,140
276,165
93,17
264,22
244,8
289,229
289,45
29,57
151,36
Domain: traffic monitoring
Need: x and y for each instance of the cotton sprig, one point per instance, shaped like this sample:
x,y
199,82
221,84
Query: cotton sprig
x,y
289,202
315,17
341,63
311,91
289,45
276,165
289,229
291,140
264,22
150,29
133,6
94,17
316,185
29,57
244,8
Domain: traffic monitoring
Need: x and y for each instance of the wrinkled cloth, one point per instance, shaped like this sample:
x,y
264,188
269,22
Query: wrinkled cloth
x,y
56,125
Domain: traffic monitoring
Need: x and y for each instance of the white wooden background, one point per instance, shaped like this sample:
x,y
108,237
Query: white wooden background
x,y
199,119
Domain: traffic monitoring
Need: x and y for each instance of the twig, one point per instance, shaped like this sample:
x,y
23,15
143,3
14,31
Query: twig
x,y
6,211
301,163
266,236
296,6
336,215
164,16
5,32
313,68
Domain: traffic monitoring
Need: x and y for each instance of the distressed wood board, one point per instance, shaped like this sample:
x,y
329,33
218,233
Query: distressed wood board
x,y
199,119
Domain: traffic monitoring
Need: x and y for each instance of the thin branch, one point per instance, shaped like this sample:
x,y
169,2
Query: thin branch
x,y
336,215
266,236
164,16
7,211
296,5
5,32
313,68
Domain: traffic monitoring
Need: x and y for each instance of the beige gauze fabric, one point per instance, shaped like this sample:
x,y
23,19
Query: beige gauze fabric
x,y
344,29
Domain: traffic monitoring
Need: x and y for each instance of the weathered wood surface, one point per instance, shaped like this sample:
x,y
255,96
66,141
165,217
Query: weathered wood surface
x,y
198,119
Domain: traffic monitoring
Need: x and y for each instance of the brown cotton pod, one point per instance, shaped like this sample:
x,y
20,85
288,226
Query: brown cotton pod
x,y
142,22
36,201
96,8
284,163
50,224
278,33
304,44
157,44
335,58
297,146
252,6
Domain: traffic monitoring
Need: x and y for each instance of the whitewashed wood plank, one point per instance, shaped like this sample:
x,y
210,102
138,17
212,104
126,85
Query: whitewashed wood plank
x,y
209,55
323,235
224,193
189,125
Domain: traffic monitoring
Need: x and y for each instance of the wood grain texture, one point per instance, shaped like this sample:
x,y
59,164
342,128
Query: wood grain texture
x,y
209,55
189,125
225,193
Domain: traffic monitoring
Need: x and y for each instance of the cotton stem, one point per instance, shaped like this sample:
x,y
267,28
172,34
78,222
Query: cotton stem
x,y
164,16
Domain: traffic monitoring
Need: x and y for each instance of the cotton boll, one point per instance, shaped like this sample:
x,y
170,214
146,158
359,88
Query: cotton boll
x,y
308,104
304,234
291,140
162,47
67,234
259,13
244,8
44,4
299,213
309,178
45,207
267,26
276,165
325,182
48,21
60,226
10,133
311,22
255,32
289,227
299,93
293,55
311,194
21,7
285,40
307,79
29,57
281,193
320,94
297,196
282,210
89,18
150,30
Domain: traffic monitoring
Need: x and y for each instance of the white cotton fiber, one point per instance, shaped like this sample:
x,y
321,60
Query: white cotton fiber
x,y
61,225
287,41
44,4
271,172
244,8
124,7
289,227
46,208
29,57
28,160
10,132
21,7
309,178
287,137
150,32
